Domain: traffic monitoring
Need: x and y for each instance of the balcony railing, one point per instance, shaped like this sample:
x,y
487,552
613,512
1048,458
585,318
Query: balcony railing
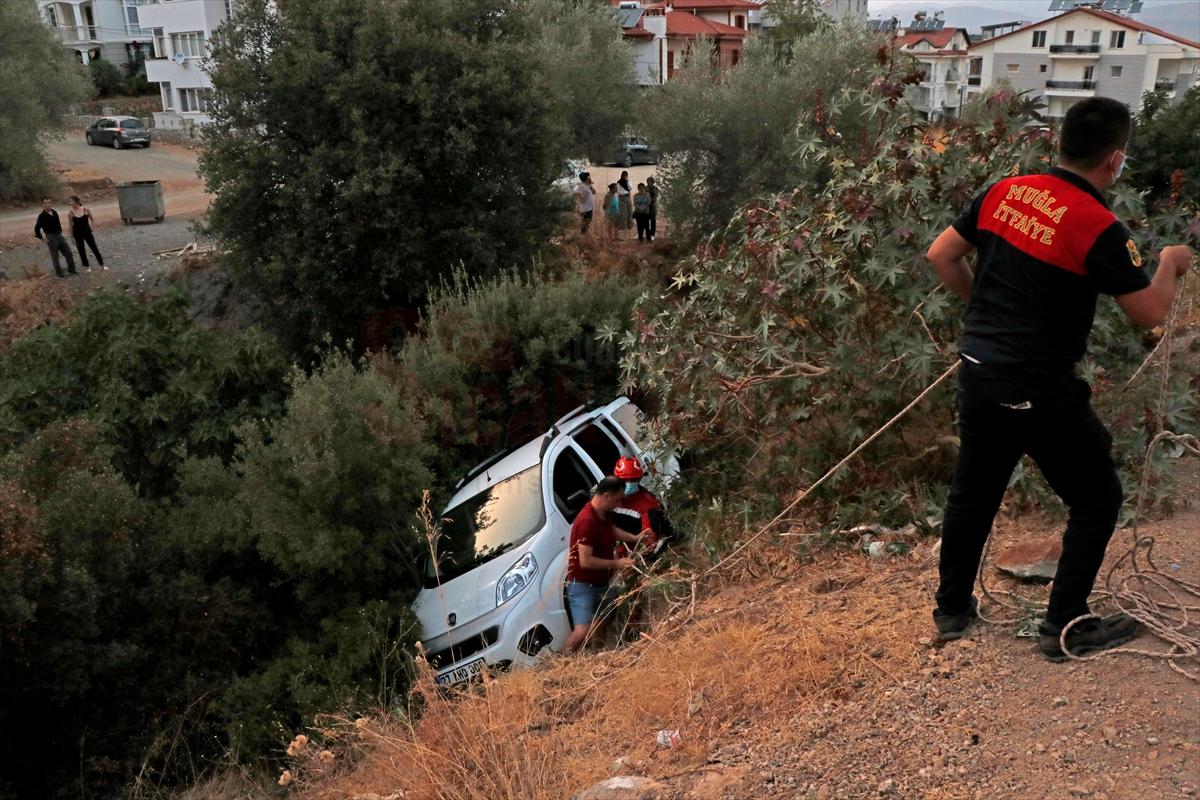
x,y
1164,85
1074,49
1070,84
974,80
77,33
952,76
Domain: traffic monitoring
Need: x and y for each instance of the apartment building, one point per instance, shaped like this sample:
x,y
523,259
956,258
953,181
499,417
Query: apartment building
x,y
942,57
104,29
181,31
1083,53
661,33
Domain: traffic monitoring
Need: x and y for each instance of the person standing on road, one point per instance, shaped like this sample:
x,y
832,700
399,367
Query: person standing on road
x,y
49,222
641,212
585,201
652,190
81,230
591,562
1048,246
624,194
612,213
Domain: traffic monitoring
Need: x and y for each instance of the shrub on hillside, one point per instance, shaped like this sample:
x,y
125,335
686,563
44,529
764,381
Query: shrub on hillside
x,y
158,388
732,135
496,362
778,354
1164,151
34,109
361,150
106,77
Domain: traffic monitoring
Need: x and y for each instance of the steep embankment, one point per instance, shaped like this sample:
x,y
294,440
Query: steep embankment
x,y
789,678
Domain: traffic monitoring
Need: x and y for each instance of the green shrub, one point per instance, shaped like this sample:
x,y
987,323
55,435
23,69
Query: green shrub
x,y
496,362
35,109
732,135
158,387
778,351
106,77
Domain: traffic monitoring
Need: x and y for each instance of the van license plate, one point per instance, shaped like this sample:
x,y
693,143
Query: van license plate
x,y
464,673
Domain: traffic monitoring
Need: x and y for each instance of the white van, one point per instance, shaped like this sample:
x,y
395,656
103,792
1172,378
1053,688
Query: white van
x,y
495,597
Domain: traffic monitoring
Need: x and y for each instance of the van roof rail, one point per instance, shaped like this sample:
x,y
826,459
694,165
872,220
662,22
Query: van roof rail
x,y
482,465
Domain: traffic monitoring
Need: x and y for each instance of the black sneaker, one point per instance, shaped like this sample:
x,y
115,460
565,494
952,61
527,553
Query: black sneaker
x,y
1089,636
955,626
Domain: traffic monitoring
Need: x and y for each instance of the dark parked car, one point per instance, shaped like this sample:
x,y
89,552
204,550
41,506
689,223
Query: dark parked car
x,y
634,150
118,132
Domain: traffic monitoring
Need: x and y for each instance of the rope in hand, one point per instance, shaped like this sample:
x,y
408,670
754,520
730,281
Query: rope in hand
x,y
1168,618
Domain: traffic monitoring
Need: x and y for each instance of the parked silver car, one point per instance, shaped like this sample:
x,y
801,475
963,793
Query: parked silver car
x,y
634,150
117,132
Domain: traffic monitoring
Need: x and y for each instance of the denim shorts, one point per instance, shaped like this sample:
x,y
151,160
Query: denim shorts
x,y
588,601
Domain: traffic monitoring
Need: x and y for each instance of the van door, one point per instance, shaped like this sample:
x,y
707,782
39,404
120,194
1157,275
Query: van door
x,y
572,479
601,447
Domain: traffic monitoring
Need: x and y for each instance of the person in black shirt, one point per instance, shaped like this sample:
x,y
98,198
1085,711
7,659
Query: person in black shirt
x,y
81,230
49,222
1047,247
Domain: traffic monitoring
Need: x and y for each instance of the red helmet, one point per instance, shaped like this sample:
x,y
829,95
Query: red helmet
x,y
629,469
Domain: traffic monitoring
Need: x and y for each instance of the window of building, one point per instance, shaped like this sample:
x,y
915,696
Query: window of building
x,y
735,57
1070,37
1041,67
1116,71
160,44
975,67
1039,38
1014,67
194,100
739,21
190,44
1095,37
1117,39
168,99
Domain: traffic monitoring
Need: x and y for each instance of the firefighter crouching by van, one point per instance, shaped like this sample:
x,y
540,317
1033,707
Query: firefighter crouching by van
x,y
640,510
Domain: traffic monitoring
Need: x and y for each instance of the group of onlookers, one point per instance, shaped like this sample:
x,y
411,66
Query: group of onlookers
x,y
622,206
81,221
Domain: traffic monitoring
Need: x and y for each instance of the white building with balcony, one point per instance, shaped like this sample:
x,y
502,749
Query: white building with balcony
x,y
181,31
105,29
942,58
1083,53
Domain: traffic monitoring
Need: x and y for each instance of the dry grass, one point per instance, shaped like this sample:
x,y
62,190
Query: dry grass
x,y
33,300
745,657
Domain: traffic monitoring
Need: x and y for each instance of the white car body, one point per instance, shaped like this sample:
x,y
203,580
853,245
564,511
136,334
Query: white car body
x,y
509,609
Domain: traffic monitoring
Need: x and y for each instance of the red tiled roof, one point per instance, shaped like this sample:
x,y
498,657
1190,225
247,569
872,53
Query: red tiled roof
x,y
683,23
706,5
715,5
638,32
1132,24
938,39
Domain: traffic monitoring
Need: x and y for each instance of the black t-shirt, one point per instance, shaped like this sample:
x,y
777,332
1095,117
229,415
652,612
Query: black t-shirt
x,y
1048,247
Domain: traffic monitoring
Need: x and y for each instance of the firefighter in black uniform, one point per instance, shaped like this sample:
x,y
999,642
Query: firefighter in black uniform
x,y
1048,246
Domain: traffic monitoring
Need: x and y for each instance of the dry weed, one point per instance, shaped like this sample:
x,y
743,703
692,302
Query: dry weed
x,y
31,301
743,660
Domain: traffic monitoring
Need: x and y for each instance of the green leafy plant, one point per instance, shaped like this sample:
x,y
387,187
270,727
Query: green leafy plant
x,y
814,318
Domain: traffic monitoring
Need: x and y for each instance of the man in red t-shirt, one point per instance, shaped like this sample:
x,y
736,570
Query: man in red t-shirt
x,y
591,563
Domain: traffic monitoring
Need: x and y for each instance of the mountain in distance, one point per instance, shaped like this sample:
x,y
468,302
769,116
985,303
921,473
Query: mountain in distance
x,y
1179,18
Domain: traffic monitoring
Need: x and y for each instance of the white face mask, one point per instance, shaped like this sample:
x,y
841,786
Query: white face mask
x,y
631,488
1120,169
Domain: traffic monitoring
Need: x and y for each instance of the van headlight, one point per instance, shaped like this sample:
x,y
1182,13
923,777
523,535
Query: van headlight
x,y
516,579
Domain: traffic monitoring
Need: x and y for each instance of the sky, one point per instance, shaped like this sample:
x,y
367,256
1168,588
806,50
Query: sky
x,y
1023,9
1181,17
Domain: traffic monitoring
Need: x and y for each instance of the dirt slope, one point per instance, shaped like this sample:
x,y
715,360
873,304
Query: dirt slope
x,y
803,679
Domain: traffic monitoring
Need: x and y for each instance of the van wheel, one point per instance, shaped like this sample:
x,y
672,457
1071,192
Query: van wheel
x,y
116,143
87,137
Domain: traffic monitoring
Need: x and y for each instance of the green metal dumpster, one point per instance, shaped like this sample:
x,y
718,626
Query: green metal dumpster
x,y
141,200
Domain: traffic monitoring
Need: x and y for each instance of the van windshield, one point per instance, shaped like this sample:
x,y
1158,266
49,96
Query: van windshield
x,y
131,123
492,522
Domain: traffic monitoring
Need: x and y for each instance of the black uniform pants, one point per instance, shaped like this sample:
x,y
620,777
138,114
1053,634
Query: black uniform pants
x,y
1051,420
90,240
